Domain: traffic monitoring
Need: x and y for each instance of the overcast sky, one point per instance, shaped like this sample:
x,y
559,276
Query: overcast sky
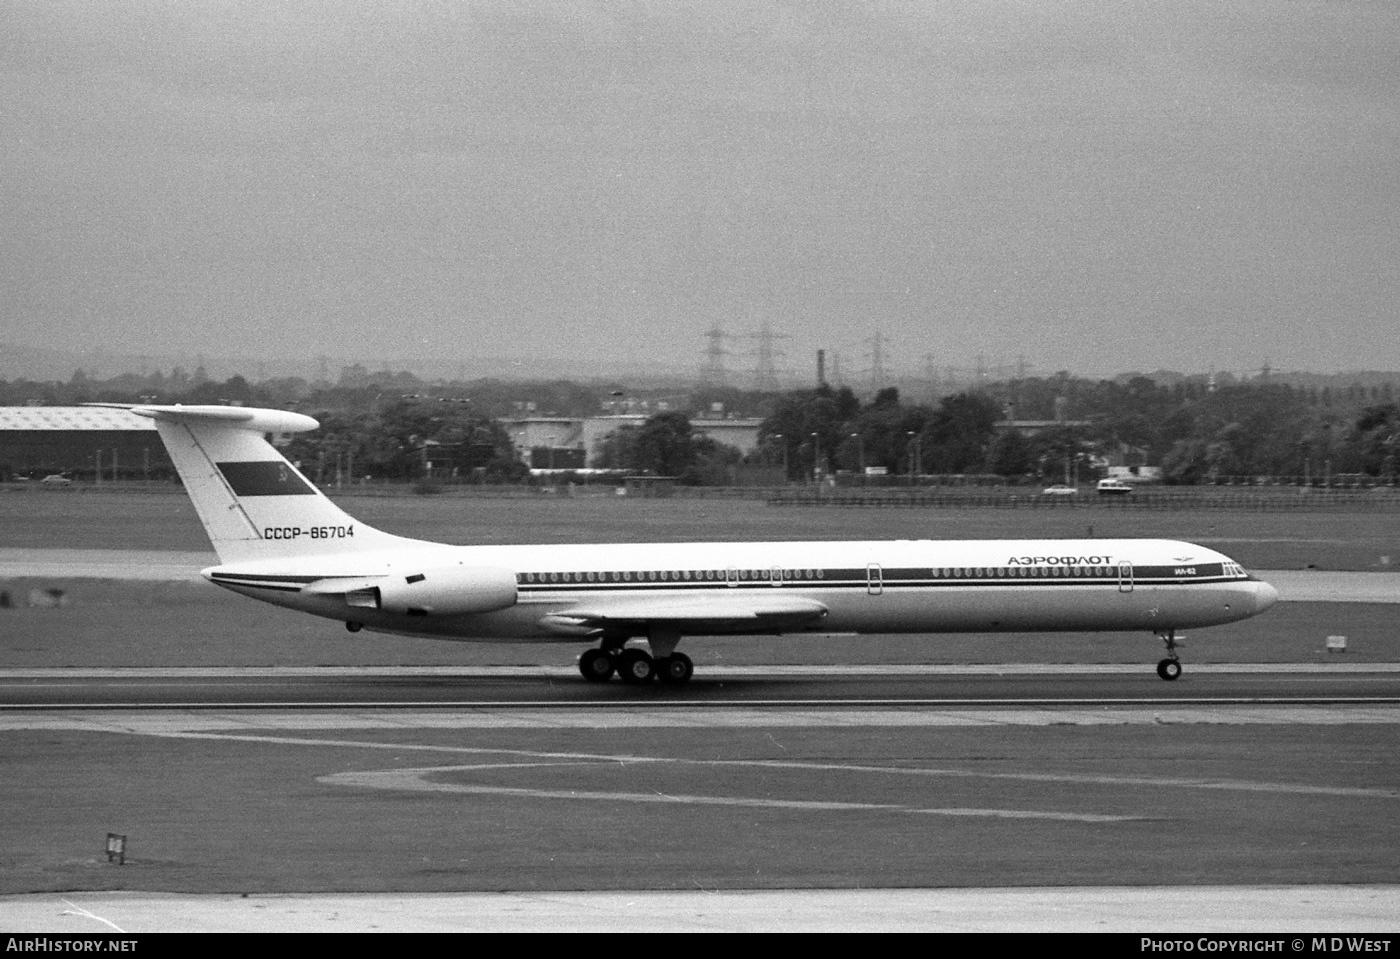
x,y
1095,186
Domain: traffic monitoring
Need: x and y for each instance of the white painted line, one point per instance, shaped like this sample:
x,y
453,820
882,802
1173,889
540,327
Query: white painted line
x,y
623,759
417,780
80,911
1029,814
177,722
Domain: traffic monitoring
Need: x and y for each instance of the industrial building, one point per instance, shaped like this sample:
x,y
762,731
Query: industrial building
x,y
81,442
573,441
85,443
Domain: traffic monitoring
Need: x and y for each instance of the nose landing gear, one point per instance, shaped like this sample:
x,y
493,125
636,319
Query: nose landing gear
x,y
1170,668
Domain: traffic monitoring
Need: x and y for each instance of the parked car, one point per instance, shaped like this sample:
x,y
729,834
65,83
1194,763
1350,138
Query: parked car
x,y
1059,489
1113,487
56,479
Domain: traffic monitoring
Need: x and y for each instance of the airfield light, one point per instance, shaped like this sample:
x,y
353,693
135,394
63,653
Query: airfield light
x,y
781,439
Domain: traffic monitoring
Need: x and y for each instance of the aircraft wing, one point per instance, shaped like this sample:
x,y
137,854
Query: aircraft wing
x,y
695,616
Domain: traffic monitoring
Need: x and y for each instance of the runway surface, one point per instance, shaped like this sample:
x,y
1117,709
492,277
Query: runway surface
x,y
769,686
958,814
1256,796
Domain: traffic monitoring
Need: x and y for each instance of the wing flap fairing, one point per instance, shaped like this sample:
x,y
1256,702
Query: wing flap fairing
x,y
688,615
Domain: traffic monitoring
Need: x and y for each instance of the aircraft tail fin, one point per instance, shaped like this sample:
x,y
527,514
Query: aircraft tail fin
x,y
253,503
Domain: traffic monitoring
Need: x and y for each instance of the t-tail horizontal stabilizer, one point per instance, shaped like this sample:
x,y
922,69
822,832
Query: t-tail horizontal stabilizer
x,y
253,503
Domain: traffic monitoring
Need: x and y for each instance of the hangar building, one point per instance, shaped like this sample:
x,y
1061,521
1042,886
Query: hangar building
x,y
80,441
580,436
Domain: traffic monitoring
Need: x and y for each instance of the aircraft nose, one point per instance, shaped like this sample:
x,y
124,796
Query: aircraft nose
x,y
1264,596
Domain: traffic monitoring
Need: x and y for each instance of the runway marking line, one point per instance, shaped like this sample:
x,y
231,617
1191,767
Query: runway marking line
x,y
73,910
416,780
552,758
496,717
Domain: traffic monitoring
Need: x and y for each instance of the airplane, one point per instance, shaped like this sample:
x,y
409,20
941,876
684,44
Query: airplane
x,y
280,540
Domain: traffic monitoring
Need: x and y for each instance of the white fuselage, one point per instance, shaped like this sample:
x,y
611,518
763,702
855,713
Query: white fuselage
x,y
905,586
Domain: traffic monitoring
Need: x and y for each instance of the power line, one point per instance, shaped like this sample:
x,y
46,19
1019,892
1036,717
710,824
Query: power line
x,y
714,372
765,375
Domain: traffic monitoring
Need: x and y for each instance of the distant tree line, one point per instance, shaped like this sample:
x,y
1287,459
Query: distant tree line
x,y
392,425
406,439
1195,433
829,430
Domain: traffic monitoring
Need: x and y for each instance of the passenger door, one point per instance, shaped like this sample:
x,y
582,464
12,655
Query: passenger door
x,y
874,579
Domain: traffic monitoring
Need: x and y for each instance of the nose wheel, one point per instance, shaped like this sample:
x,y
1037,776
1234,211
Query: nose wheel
x,y
1170,668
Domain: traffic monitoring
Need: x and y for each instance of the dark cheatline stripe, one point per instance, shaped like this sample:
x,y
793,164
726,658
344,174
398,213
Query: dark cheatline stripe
x,y
264,478
1188,571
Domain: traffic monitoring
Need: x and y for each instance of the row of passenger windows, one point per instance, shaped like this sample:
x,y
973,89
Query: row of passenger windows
x,y
788,575
674,575
985,572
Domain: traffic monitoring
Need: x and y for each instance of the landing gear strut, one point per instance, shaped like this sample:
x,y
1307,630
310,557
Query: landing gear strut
x,y
1170,668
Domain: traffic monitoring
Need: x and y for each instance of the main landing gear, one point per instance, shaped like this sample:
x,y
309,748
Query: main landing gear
x,y
1170,668
634,666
